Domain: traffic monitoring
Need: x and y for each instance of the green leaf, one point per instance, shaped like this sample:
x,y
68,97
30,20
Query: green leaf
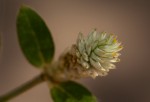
x,y
71,92
34,37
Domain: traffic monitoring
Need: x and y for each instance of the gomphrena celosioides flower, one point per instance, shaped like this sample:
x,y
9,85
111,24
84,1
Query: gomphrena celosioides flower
x,y
97,53
93,56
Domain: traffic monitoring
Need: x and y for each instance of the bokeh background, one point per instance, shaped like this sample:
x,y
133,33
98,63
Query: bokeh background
x,y
128,19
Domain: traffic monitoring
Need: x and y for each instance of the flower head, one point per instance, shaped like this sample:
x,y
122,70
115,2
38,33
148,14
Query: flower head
x,y
93,56
97,53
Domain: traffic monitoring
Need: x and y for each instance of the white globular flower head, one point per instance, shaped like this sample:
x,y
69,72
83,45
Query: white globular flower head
x,y
91,56
97,53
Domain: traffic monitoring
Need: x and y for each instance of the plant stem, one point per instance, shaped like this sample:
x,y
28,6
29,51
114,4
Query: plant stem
x,y
39,79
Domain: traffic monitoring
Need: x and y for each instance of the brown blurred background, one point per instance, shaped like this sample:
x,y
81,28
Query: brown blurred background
x,y
129,19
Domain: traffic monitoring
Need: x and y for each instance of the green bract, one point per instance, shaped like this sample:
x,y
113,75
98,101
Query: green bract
x,y
34,37
71,92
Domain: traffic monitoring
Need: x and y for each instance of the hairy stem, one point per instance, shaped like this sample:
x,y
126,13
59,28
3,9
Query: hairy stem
x,y
35,81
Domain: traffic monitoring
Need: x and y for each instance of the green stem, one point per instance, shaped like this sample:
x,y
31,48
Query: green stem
x,y
23,88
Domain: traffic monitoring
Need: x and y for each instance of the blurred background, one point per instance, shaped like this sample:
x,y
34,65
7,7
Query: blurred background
x,y
128,19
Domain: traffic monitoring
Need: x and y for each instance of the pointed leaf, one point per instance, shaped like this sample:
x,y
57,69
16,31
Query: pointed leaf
x,y
34,37
71,92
